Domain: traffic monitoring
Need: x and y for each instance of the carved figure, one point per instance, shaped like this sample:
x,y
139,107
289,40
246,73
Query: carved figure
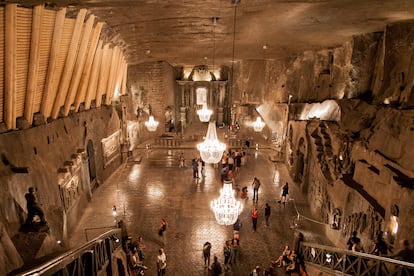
x,y
33,208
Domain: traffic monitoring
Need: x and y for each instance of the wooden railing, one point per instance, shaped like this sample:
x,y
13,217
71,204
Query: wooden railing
x,y
93,258
346,262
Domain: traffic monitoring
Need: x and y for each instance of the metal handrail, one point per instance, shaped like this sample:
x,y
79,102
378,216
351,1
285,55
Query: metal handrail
x,y
353,263
89,259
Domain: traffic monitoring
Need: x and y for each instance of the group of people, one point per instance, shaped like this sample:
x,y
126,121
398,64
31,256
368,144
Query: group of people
x,y
230,253
381,248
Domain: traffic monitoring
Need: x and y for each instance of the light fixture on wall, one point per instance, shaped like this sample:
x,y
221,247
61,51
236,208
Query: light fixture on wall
x,y
204,114
211,150
151,124
226,208
258,125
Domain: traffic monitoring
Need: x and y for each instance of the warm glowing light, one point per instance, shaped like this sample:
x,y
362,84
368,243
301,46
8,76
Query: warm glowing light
x,y
394,225
151,124
211,150
226,208
258,125
204,113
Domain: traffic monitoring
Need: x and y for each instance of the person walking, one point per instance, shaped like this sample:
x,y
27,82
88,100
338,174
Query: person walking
x,y
256,185
206,254
194,164
285,193
161,230
216,269
255,214
267,213
235,243
227,254
161,262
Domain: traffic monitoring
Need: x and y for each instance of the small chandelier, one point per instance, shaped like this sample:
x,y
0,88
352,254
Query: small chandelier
x,y
211,150
258,125
204,114
151,124
226,208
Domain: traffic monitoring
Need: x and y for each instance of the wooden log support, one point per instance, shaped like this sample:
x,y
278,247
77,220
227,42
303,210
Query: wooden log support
x,y
79,65
87,74
10,67
93,81
51,80
33,63
103,75
69,64
112,76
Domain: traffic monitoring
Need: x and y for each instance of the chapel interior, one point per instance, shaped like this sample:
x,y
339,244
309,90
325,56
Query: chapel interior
x,y
332,81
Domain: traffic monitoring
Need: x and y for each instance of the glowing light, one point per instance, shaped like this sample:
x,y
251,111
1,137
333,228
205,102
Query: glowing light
x,y
204,113
258,125
151,124
211,150
226,208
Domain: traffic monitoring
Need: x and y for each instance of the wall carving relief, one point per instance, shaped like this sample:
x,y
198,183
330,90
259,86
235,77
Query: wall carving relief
x,y
111,148
69,181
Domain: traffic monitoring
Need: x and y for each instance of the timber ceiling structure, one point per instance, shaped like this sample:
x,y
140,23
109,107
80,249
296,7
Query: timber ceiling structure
x,y
181,31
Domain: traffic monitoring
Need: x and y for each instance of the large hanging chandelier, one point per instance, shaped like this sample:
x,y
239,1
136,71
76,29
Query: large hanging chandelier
x,y
151,124
211,150
204,114
226,208
258,125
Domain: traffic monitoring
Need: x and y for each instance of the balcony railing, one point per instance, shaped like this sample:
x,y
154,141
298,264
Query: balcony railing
x,y
353,263
93,258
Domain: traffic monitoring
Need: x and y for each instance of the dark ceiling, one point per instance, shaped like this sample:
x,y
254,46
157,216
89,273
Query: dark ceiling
x,y
181,31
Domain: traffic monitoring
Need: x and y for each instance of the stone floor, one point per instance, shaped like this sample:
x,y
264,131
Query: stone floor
x,y
157,188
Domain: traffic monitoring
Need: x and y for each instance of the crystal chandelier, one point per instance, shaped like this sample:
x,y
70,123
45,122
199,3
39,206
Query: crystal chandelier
x,y
151,124
258,125
226,208
204,113
211,150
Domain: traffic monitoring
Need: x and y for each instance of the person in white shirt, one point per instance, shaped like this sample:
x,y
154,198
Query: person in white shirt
x,y
161,262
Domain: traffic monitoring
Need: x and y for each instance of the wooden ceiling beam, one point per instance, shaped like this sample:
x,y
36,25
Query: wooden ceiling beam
x,y
93,80
103,74
34,60
10,67
86,74
69,64
79,65
51,81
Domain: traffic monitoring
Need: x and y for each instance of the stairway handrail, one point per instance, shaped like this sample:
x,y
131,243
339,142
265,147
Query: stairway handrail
x,y
73,254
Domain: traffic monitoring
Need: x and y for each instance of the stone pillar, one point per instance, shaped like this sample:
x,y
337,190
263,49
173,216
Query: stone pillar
x,y
85,174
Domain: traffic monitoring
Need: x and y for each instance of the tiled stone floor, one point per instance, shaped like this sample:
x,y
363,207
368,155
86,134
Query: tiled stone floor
x,y
147,192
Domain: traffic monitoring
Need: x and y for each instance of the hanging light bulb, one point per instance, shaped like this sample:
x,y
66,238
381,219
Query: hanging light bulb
x,y
211,150
258,125
204,113
226,208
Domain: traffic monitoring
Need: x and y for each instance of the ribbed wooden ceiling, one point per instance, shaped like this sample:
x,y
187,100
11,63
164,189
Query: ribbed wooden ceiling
x,y
54,64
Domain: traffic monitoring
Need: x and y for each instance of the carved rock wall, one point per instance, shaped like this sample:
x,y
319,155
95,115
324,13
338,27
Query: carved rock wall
x,y
33,157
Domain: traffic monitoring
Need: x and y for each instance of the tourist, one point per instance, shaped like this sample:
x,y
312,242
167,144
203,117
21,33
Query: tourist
x,y
256,185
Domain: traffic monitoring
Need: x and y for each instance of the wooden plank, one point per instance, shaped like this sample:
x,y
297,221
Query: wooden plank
x,y
2,61
112,76
103,74
83,86
69,64
124,78
79,65
10,70
50,85
93,80
33,63
23,34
